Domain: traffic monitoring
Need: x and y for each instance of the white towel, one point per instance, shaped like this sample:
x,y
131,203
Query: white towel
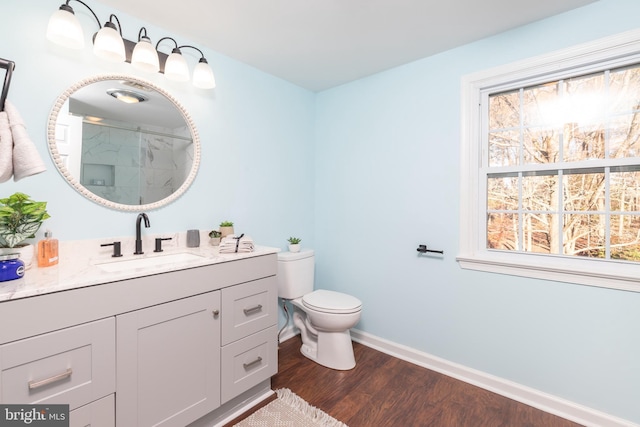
x,y
231,242
6,148
26,159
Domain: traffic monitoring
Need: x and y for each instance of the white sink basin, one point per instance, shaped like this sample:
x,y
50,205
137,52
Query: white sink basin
x,y
152,261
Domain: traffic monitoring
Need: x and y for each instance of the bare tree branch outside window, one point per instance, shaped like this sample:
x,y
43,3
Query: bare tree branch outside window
x,y
563,167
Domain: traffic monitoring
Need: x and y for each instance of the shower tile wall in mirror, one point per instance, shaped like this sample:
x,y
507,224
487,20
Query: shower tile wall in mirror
x,y
134,166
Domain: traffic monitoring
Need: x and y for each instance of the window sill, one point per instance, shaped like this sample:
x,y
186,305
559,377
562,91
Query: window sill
x,y
599,273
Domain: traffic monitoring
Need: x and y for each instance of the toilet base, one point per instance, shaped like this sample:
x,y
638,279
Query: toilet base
x,y
339,354
330,348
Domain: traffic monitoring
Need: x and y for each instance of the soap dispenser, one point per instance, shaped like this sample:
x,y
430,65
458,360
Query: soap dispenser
x,y
47,250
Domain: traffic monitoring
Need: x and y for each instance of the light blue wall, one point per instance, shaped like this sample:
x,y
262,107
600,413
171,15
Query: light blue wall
x,y
256,131
387,179
363,173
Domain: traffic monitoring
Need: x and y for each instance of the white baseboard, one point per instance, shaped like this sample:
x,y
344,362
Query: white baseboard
x,y
546,402
244,408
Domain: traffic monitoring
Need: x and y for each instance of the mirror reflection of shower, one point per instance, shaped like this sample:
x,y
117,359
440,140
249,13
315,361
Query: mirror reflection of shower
x,y
133,165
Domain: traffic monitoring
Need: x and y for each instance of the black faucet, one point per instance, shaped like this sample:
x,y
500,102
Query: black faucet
x,y
138,236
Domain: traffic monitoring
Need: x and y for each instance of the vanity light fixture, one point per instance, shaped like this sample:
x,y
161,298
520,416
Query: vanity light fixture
x,y
64,29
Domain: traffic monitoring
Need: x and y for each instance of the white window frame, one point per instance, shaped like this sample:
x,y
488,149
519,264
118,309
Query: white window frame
x,y
610,52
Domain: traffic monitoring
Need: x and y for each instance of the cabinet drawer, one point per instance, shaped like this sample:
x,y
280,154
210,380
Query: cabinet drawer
x,y
248,361
101,413
72,366
248,308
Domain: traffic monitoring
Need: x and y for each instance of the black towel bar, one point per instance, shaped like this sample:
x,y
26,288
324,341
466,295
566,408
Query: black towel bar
x,y
423,249
9,66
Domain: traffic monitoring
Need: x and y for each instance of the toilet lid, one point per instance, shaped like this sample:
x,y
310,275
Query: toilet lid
x,y
331,302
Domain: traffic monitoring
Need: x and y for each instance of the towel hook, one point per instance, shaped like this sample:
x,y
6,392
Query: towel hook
x,y
9,66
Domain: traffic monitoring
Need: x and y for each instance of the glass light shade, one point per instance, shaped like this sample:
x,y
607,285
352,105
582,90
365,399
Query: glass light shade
x,y
176,68
109,45
203,76
145,57
64,29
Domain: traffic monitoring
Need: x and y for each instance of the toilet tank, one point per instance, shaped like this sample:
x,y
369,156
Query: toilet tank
x,y
295,273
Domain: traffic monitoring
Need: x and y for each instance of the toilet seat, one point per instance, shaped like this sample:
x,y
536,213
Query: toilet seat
x,y
331,302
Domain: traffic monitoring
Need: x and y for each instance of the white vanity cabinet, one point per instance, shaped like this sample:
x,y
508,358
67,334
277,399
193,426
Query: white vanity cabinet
x,y
170,349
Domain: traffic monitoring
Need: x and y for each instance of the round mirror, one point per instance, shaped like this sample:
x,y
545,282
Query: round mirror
x,y
123,142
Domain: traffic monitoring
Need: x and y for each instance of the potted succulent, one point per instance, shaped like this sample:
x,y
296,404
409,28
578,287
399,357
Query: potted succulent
x,y
294,244
20,219
214,237
226,228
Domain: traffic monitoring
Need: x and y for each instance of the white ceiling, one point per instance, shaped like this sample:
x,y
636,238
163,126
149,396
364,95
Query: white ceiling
x,y
319,44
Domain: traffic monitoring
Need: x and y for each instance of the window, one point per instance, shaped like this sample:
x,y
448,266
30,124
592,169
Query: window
x,y
551,166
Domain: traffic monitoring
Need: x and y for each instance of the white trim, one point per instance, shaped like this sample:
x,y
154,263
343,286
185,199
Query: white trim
x,y
546,402
242,409
613,51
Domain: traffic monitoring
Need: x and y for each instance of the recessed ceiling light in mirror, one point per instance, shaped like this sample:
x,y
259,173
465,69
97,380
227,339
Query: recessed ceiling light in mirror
x,y
127,96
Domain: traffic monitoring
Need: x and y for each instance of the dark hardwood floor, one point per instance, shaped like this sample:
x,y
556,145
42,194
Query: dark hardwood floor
x,y
384,391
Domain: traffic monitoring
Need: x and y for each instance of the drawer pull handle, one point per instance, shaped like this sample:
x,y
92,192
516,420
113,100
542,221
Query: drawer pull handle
x,y
215,312
250,310
37,384
247,365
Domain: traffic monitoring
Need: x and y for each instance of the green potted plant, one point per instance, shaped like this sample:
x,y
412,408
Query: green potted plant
x,y
20,219
226,228
294,244
214,237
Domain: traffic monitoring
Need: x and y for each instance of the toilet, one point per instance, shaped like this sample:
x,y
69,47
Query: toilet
x,y
324,317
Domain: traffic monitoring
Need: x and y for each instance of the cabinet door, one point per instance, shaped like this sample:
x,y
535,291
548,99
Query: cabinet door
x,y
168,359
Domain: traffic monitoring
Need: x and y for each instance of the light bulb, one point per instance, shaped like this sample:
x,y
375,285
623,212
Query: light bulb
x,y
145,57
203,75
176,67
108,44
64,28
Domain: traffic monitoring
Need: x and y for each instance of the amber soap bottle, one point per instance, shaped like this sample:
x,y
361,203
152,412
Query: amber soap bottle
x,y
47,250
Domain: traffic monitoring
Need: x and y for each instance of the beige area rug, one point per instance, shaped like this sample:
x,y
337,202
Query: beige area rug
x,y
289,409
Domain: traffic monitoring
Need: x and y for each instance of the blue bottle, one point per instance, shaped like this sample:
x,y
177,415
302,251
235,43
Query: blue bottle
x,y
11,267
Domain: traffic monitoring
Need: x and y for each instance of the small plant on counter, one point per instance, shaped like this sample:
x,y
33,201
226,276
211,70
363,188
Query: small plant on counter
x,y
20,219
214,237
226,228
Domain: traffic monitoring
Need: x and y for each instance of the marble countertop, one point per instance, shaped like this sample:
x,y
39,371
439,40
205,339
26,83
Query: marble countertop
x,y
79,265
